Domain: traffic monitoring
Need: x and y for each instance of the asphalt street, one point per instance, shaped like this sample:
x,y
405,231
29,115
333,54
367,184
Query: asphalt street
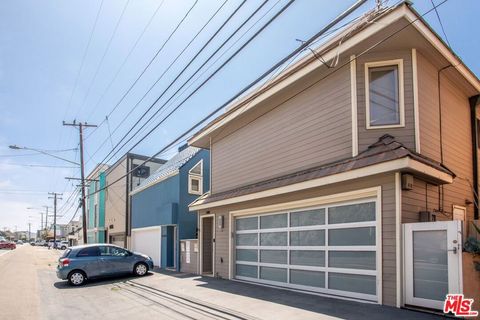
x,y
29,289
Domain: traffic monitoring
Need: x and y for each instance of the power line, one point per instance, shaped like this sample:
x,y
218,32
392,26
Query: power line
x,y
211,75
35,165
176,78
347,63
103,56
441,24
83,58
154,57
164,72
77,77
198,69
121,67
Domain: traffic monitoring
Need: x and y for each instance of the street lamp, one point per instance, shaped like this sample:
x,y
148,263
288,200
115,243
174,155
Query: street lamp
x,y
15,147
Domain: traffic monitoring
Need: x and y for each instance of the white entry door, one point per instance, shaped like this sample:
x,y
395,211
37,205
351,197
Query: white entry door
x,y
433,262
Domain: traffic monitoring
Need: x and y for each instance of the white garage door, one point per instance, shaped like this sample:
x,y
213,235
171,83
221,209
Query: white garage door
x,y
148,241
330,249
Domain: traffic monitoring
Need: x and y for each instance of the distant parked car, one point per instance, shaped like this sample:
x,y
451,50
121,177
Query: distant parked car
x,y
80,263
56,245
39,243
7,245
33,243
62,245
20,242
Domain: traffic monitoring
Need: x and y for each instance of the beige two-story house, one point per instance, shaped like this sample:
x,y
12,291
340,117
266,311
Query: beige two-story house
x,y
334,177
117,195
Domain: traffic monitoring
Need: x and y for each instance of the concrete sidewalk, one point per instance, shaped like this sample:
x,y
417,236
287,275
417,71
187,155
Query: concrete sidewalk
x,y
258,302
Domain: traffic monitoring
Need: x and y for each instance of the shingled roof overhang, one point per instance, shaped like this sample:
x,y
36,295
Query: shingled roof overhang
x,y
384,156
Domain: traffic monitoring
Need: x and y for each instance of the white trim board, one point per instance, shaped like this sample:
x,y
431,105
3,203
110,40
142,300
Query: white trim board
x,y
353,92
415,99
147,228
384,167
398,237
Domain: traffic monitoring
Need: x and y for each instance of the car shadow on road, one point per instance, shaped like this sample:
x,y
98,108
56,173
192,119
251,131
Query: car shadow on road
x,y
97,281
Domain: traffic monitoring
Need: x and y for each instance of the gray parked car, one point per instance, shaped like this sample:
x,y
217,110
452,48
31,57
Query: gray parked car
x,y
77,264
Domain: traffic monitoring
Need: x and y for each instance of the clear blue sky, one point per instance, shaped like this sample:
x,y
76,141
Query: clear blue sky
x,y
41,49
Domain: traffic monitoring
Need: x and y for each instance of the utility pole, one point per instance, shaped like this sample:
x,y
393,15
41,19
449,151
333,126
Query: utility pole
x,y
80,126
55,198
46,223
29,232
41,222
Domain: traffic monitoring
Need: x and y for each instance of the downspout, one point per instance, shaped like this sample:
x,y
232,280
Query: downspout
x,y
441,194
474,102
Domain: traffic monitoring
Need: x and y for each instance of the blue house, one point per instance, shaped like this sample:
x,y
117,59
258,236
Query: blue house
x,y
160,214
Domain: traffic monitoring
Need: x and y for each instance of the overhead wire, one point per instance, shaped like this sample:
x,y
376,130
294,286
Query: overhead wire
x,y
198,69
137,41
218,58
154,56
441,24
83,58
347,63
164,72
107,48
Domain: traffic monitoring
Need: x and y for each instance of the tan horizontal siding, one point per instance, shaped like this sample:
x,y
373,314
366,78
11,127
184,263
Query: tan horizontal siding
x,y
311,129
456,135
115,199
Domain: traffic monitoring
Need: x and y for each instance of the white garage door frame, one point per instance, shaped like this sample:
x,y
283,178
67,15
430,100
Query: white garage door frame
x,y
353,197
135,231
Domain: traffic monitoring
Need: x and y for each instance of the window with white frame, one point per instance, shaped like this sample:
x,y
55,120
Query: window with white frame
x,y
384,94
331,249
195,179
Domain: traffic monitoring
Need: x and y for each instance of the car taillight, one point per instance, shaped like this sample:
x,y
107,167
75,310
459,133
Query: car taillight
x,y
65,262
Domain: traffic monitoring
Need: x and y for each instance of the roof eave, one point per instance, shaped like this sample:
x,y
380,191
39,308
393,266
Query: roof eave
x,y
309,63
406,164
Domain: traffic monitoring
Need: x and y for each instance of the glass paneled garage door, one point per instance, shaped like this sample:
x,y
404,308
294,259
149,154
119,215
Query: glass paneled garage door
x,y
330,249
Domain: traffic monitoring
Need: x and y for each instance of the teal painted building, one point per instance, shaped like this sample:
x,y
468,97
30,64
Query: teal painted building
x,y
95,204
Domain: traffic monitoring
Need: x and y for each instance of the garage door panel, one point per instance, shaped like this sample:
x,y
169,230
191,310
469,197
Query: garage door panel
x,y
273,274
308,278
274,256
273,239
307,258
307,218
331,249
352,213
273,221
352,237
147,241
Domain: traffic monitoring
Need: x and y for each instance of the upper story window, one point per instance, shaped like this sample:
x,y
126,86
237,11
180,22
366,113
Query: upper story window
x,y
195,179
384,94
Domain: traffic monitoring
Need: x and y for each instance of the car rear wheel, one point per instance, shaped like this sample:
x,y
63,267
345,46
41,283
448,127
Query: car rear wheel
x,y
76,278
140,269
